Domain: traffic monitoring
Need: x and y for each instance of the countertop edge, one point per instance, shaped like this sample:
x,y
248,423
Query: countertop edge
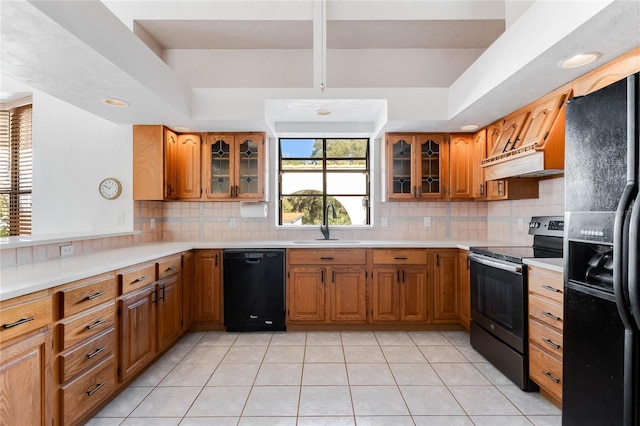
x,y
24,279
556,265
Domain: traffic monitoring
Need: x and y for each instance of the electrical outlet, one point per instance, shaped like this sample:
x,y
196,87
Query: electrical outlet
x,y
66,250
385,221
426,221
520,223
120,219
152,224
232,222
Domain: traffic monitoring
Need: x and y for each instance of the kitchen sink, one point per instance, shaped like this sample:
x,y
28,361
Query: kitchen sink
x,y
329,242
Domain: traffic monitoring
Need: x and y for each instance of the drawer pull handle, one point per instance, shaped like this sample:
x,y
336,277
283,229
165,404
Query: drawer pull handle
x,y
94,295
550,315
326,258
96,352
551,377
548,287
142,278
170,268
401,258
94,390
550,343
95,324
20,321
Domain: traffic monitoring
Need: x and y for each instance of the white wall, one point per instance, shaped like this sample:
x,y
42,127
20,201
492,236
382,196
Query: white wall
x,y
73,151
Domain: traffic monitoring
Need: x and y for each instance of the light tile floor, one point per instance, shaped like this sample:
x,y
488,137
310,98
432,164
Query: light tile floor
x,y
325,378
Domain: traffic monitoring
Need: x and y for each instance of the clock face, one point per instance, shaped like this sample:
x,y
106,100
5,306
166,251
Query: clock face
x,y
110,188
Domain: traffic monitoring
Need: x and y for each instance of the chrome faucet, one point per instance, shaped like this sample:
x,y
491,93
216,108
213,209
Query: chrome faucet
x,y
324,228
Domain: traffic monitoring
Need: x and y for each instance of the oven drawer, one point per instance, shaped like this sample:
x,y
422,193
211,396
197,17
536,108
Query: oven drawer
x,y
546,338
546,311
546,283
546,371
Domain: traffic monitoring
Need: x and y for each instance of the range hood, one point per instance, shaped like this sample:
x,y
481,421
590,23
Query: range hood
x,y
530,141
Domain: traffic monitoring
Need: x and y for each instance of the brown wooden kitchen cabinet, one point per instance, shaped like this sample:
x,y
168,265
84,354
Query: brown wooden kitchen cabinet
x,y
446,292
166,166
464,277
188,278
233,166
26,360
479,185
137,331
169,301
417,166
546,319
326,285
461,156
208,287
400,286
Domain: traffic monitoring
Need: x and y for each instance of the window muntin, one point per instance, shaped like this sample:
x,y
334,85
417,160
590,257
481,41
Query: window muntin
x,y
317,171
16,171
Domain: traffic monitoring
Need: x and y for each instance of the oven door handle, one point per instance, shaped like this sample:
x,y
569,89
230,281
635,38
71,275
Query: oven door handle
x,y
516,269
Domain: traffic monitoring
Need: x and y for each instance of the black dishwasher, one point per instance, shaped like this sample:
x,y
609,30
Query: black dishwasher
x,y
254,290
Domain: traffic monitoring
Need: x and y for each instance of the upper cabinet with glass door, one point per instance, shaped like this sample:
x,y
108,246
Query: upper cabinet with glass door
x,y
233,166
417,166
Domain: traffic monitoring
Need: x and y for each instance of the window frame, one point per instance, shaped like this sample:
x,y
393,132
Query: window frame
x,y
325,171
18,174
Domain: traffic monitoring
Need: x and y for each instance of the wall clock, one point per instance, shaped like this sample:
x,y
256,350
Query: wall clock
x,y
110,188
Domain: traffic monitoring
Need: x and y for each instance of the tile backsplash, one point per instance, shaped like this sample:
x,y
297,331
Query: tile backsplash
x,y
497,220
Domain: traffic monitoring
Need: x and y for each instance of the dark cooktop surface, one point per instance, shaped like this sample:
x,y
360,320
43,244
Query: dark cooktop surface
x,y
515,254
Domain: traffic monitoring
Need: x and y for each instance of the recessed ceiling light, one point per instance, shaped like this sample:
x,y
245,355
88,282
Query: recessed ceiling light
x,y
469,127
115,102
579,60
323,112
181,129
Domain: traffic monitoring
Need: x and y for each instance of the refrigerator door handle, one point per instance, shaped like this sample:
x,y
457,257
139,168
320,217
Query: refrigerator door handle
x,y
634,259
620,256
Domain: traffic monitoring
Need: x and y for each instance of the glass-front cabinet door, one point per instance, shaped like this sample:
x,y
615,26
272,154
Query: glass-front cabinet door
x,y
248,165
233,167
416,166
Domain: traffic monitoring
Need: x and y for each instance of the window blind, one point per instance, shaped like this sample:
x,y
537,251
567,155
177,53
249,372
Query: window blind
x,y
16,171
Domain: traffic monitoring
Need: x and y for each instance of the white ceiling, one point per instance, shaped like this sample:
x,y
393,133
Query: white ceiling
x,y
389,65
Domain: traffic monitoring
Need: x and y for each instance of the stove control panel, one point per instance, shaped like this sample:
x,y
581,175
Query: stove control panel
x,y
547,225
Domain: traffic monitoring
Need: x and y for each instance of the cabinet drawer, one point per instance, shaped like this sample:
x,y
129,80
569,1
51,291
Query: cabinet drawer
x,y
87,355
135,278
546,283
86,325
546,371
25,317
546,338
168,267
399,257
546,311
87,294
87,391
327,257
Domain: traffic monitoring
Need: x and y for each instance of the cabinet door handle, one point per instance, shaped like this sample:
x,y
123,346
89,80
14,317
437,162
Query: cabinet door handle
x,y
550,315
216,259
550,343
333,276
437,260
415,192
398,275
96,352
401,258
95,324
94,295
551,377
403,276
20,321
322,276
482,190
155,292
548,287
499,187
162,298
142,278
326,258
94,390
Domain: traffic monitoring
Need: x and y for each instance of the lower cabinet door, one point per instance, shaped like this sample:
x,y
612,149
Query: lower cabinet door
x,y
385,292
413,295
169,311
137,322
306,294
348,294
25,381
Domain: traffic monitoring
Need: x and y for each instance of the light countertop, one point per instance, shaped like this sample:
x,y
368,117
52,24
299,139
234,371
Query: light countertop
x,y
556,265
28,278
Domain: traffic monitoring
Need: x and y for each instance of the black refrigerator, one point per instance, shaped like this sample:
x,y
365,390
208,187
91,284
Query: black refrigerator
x,y
601,356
